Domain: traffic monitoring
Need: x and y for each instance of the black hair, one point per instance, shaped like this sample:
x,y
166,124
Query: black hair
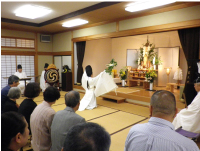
x,y
32,90
13,78
72,98
51,94
12,123
163,102
87,137
88,70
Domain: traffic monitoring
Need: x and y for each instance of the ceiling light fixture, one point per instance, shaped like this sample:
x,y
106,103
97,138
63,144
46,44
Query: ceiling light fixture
x,y
147,4
32,11
75,22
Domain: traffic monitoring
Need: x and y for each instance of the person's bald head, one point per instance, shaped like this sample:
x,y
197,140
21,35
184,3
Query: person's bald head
x,y
72,99
163,104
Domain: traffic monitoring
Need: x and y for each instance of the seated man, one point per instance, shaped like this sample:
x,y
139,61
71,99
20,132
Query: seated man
x,y
159,134
65,119
21,75
13,81
41,119
189,118
87,137
42,80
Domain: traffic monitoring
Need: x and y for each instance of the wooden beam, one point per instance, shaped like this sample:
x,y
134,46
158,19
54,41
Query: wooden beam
x,y
45,53
144,30
62,53
15,52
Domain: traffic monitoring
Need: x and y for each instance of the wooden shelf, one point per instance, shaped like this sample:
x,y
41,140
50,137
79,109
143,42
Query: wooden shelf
x,y
137,77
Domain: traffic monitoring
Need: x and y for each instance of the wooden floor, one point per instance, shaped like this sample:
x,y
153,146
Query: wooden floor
x,y
138,95
116,118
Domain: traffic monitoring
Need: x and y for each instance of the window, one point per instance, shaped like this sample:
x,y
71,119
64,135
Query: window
x,y
17,42
9,64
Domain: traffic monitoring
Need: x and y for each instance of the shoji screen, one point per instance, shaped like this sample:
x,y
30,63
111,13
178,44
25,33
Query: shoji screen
x,y
8,68
9,64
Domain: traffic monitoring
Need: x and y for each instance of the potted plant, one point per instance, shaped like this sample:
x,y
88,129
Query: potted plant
x,y
123,75
150,75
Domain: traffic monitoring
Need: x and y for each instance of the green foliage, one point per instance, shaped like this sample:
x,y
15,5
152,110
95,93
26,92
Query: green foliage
x,y
110,66
158,60
123,73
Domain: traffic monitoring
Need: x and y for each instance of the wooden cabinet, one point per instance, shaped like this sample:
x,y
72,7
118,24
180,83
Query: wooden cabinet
x,y
67,81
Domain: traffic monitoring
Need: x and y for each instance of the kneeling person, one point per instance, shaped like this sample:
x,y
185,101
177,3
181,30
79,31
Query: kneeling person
x,y
65,119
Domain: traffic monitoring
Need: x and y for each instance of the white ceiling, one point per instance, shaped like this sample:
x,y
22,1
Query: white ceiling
x,y
59,9
97,15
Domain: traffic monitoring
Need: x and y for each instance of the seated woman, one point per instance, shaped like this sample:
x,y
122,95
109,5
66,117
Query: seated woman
x,y
26,108
14,131
189,118
94,87
11,105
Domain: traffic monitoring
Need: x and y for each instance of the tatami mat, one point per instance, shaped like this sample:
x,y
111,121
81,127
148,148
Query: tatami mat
x,y
59,107
95,113
126,107
117,121
118,139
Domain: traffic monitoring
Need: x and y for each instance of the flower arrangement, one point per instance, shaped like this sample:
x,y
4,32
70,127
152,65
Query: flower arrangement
x,y
123,73
110,66
150,75
149,52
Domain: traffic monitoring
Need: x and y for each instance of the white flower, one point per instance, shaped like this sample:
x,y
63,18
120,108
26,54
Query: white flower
x,y
110,65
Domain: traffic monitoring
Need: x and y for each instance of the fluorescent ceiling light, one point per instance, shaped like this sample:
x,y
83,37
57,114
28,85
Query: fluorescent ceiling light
x,y
32,11
147,4
75,22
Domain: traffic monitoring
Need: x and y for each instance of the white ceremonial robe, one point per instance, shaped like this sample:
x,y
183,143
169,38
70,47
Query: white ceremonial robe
x,y
189,118
99,85
42,81
21,83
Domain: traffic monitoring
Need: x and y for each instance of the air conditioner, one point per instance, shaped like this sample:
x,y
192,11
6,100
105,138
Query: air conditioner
x,y
45,38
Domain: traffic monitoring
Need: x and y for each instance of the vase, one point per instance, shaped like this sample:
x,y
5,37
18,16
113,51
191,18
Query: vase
x,y
123,83
151,86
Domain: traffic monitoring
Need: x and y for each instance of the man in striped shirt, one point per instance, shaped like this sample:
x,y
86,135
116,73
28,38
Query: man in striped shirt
x,y
41,120
159,134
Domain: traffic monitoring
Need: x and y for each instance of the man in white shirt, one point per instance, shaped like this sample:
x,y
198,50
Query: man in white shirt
x,y
42,80
21,75
189,118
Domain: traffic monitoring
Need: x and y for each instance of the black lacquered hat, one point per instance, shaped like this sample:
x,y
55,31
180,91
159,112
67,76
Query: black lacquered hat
x,y
19,66
46,65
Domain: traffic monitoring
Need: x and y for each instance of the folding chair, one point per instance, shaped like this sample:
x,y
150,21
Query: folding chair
x,y
193,136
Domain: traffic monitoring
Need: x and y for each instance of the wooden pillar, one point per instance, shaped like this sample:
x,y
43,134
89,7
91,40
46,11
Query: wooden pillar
x,y
36,56
72,59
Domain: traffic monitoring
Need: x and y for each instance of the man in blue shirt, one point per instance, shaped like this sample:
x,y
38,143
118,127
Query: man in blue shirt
x,y
13,81
159,134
